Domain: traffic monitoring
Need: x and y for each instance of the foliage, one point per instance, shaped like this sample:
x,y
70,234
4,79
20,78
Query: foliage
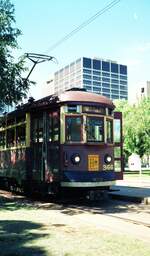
x,y
136,126
12,86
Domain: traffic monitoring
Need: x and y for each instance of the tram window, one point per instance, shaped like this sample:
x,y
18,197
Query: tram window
x,y
20,135
109,131
72,108
38,129
110,112
117,152
73,128
11,137
2,140
117,166
10,122
35,129
94,109
117,130
95,129
49,125
20,119
55,127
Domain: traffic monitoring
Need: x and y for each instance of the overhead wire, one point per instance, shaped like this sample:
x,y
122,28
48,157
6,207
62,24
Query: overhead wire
x,y
82,25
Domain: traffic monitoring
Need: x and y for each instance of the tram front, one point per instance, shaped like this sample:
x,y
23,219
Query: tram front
x,y
87,141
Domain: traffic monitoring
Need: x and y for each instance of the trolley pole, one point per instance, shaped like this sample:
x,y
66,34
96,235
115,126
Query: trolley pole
x,y
36,59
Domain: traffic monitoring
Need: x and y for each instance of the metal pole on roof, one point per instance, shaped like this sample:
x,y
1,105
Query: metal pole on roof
x,y
36,59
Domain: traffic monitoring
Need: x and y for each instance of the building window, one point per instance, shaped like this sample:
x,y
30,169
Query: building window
x,y
105,90
106,95
72,67
123,77
114,81
114,91
105,79
86,76
106,74
78,63
106,85
123,69
96,78
87,71
114,97
97,83
114,75
122,87
86,62
124,97
115,86
123,92
142,90
114,67
66,70
123,82
97,90
105,66
98,73
96,64
86,81
88,88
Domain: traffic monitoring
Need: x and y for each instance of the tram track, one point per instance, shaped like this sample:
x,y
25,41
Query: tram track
x,y
130,220
102,211
76,207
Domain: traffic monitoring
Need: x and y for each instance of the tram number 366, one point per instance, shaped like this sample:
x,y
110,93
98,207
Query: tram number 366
x,y
107,167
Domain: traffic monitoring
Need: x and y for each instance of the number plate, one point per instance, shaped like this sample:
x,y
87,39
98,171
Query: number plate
x,y
93,162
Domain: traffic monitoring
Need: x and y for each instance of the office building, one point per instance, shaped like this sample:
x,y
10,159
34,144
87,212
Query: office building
x,y
100,76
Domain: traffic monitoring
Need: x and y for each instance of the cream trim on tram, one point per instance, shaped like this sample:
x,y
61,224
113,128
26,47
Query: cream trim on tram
x,y
88,184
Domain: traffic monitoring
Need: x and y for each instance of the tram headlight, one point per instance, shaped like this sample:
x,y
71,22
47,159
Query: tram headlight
x,y
108,159
75,158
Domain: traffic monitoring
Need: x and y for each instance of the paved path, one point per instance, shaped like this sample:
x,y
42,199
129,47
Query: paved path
x,y
136,190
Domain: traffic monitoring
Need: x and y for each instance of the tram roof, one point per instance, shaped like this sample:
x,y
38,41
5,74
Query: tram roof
x,y
83,96
74,96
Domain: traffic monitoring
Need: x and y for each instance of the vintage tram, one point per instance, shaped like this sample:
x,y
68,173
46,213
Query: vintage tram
x,y
68,142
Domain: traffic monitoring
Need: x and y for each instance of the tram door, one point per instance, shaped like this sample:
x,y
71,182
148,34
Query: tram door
x,y
118,146
45,145
39,146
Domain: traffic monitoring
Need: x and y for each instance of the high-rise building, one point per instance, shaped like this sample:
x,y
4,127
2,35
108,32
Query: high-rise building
x,y
100,76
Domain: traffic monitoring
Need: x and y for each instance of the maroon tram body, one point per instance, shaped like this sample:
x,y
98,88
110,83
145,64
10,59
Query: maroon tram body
x,y
72,141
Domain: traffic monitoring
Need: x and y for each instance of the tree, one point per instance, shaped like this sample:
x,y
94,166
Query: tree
x,y
136,128
13,88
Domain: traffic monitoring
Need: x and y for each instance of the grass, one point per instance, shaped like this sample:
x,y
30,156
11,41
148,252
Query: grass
x,y
29,230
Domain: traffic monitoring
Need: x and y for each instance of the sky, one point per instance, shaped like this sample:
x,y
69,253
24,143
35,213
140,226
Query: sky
x,y
121,34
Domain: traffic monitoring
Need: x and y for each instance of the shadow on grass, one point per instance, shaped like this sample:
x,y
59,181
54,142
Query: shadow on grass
x,y
69,206
13,204
16,238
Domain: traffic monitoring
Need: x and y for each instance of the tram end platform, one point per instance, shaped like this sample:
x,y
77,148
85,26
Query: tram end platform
x,y
137,191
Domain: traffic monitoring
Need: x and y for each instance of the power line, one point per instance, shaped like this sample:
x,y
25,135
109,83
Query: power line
x,y
84,24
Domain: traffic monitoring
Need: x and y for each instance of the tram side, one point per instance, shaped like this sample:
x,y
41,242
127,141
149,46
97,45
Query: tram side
x,y
14,149
72,142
